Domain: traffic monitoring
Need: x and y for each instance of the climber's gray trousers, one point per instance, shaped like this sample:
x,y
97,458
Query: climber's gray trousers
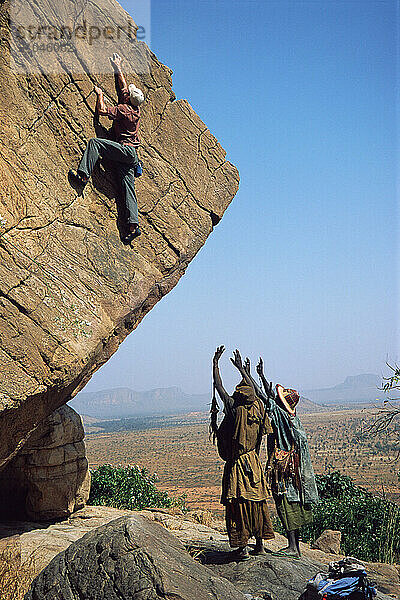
x,y
125,158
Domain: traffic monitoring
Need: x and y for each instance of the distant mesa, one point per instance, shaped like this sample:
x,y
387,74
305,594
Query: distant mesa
x,y
124,402
119,403
355,389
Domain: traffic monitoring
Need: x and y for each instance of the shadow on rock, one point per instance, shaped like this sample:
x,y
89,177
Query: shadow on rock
x,y
207,555
105,182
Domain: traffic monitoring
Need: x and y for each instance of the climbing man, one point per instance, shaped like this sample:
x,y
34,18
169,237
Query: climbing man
x,y
123,151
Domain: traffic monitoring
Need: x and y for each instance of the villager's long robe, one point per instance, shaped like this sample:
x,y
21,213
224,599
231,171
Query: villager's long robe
x,y
293,502
244,489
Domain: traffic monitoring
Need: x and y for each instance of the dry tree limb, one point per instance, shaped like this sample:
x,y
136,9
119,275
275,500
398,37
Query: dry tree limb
x,y
387,419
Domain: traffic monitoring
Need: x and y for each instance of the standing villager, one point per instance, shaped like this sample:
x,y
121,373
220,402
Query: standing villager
x,y
289,467
244,489
122,150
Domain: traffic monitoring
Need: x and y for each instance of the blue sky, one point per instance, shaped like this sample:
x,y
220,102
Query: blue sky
x,y
302,268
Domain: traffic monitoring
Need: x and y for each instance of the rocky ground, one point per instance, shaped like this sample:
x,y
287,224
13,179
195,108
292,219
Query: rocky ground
x,y
260,578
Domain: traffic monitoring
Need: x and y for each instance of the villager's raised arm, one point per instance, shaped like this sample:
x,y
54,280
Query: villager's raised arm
x,y
237,361
247,365
223,394
267,385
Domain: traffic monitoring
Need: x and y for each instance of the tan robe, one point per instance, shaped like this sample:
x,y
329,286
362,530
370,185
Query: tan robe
x,y
244,489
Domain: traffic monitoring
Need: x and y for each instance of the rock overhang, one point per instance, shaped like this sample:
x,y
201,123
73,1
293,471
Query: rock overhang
x,y
70,292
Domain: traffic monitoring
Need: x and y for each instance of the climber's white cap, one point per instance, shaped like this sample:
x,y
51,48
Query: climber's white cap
x,y
136,95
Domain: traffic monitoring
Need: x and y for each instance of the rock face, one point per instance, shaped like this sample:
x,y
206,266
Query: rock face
x,y
70,292
49,478
328,541
260,577
131,558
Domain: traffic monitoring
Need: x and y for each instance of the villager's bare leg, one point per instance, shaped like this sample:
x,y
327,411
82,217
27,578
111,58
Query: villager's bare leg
x,y
292,549
259,547
297,536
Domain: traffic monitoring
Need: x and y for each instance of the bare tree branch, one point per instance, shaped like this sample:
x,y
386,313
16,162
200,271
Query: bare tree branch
x,y
387,421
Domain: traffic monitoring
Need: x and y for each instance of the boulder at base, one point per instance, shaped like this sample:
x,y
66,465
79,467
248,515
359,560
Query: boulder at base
x,y
131,558
49,478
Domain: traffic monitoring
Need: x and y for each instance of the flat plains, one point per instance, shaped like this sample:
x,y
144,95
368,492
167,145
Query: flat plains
x,y
180,452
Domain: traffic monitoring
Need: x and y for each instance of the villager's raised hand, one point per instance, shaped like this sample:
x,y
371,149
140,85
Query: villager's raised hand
x,y
98,90
260,367
267,385
218,353
247,366
270,392
237,360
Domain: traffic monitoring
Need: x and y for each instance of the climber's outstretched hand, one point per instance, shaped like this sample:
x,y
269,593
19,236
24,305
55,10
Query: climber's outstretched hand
x,y
116,60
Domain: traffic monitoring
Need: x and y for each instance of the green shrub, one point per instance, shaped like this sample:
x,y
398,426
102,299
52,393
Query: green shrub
x,y
129,488
370,525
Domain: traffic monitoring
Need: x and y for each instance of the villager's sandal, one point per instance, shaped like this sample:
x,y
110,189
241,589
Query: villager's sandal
x,y
285,555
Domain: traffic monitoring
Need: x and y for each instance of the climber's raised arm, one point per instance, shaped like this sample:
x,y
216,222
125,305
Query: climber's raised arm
x,y
223,394
121,86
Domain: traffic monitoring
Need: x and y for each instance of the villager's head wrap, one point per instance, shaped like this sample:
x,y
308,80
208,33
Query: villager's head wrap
x,y
136,96
289,398
244,393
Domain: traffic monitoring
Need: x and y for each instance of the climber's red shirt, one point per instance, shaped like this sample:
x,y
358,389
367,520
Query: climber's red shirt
x,y
126,120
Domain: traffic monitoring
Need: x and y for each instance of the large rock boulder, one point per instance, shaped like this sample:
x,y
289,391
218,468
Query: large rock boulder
x,y
49,478
70,292
329,541
131,558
